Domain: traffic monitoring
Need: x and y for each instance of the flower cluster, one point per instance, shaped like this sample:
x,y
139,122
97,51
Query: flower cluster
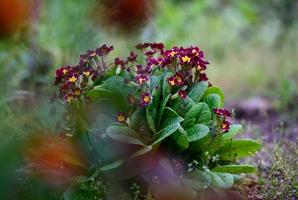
x,y
187,64
73,81
223,113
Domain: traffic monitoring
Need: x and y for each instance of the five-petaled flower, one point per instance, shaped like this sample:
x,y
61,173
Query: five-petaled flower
x,y
182,94
145,99
72,79
185,59
121,117
141,78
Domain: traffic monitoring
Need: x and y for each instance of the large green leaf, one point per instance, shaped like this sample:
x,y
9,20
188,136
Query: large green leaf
x,y
208,144
166,132
112,165
213,101
152,108
181,106
235,169
238,149
166,88
188,123
74,192
215,90
181,140
170,117
113,89
221,180
161,109
197,180
234,130
200,112
98,93
124,134
142,151
197,91
197,132
138,119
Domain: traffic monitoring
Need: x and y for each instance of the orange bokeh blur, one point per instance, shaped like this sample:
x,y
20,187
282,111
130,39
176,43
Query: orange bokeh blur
x,y
14,14
54,158
125,15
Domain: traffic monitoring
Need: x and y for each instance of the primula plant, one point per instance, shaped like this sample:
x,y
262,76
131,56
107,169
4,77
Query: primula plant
x,y
150,123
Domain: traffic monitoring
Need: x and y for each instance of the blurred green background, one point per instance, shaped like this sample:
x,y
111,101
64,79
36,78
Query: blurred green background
x,y
252,47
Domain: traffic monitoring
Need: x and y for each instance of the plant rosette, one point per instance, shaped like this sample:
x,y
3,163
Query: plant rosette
x,y
153,119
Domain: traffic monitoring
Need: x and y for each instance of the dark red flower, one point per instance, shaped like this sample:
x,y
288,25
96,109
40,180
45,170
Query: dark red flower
x,y
203,77
222,112
182,94
121,117
119,62
104,50
145,99
225,126
132,57
141,78
171,81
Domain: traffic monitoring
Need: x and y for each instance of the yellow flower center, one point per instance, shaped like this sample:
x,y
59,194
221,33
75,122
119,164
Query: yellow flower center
x,y
77,92
172,82
146,99
185,59
173,53
72,79
224,125
121,118
86,73
69,99
141,80
178,79
65,71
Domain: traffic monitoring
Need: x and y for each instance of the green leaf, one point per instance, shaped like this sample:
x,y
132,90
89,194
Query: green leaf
x,y
200,112
181,106
74,192
170,117
235,169
117,84
124,134
141,152
166,88
221,180
215,90
188,122
112,165
208,143
180,140
113,89
213,101
161,109
152,108
151,117
234,130
166,132
138,119
197,132
197,91
197,180
238,149
98,93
